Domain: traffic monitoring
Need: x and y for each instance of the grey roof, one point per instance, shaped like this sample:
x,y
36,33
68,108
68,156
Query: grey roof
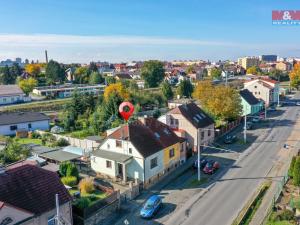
x,y
10,90
39,149
7,118
60,156
112,156
249,97
95,138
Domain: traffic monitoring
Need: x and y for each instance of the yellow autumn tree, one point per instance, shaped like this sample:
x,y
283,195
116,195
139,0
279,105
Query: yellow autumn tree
x,y
116,88
295,76
33,69
27,85
222,102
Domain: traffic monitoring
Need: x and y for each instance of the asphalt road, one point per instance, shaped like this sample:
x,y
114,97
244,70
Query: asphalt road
x,y
222,203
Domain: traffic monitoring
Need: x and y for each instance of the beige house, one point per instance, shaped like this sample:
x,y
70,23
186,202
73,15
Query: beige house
x,y
264,89
190,120
27,196
284,66
247,62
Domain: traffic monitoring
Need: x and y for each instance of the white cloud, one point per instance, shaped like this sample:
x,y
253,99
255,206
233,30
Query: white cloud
x,y
37,40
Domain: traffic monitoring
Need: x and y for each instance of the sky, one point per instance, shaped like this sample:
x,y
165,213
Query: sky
x,y
124,30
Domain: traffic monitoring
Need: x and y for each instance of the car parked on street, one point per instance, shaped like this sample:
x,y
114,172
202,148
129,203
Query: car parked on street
x,y
151,207
255,119
211,167
229,139
298,103
249,125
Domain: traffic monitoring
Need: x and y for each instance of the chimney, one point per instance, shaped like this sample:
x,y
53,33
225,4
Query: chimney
x,y
46,55
143,119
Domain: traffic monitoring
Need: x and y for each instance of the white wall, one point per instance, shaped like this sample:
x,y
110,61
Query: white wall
x,y
4,100
158,169
99,165
134,169
37,125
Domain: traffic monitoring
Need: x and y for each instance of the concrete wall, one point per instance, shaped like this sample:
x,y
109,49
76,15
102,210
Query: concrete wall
x,y
38,125
65,212
17,215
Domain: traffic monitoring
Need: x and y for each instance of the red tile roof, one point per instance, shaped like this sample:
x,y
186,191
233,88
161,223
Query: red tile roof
x,y
148,137
32,188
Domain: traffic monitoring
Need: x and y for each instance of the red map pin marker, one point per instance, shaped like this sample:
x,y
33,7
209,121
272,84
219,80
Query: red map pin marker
x,y
126,109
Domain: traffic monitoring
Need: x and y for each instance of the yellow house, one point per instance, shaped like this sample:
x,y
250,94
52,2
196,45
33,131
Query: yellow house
x,y
172,155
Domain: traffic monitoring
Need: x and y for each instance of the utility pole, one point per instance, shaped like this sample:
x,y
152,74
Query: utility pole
x,y
245,129
278,104
199,156
57,209
266,106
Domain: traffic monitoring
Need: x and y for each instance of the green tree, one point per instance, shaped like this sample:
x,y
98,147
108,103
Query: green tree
x,y
166,90
6,77
190,69
27,85
72,170
54,73
96,78
185,88
153,73
110,80
296,172
13,152
291,169
93,67
216,73
16,70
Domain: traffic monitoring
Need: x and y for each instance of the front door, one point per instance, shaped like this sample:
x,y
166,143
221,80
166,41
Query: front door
x,y
120,170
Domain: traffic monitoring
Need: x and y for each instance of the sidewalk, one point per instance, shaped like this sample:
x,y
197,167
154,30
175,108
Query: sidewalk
x,y
131,206
277,173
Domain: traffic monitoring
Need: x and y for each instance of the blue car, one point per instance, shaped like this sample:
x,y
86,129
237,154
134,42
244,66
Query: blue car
x,y
151,207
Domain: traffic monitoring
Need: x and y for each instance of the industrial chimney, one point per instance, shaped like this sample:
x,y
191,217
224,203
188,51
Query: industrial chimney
x,y
46,55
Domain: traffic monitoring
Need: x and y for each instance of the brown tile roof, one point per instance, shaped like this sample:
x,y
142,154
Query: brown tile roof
x,y
148,137
32,188
10,90
193,114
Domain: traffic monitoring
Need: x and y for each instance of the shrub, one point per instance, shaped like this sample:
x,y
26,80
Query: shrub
x,y
35,135
69,180
83,202
63,168
72,170
62,142
86,185
291,169
283,215
296,172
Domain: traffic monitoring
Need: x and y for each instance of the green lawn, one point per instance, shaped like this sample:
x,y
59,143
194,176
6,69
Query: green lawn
x,y
29,141
284,222
195,183
97,193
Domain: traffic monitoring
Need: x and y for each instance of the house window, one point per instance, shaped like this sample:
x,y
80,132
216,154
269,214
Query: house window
x,y
202,135
108,146
255,86
108,164
119,143
130,150
171,153
4,99
181,148
153,163
208,133
29,126
14,127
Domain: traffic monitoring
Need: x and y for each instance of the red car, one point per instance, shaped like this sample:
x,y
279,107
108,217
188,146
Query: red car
x,y
211,167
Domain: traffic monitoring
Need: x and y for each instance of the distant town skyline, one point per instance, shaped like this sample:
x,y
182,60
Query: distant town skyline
x,y
115,31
